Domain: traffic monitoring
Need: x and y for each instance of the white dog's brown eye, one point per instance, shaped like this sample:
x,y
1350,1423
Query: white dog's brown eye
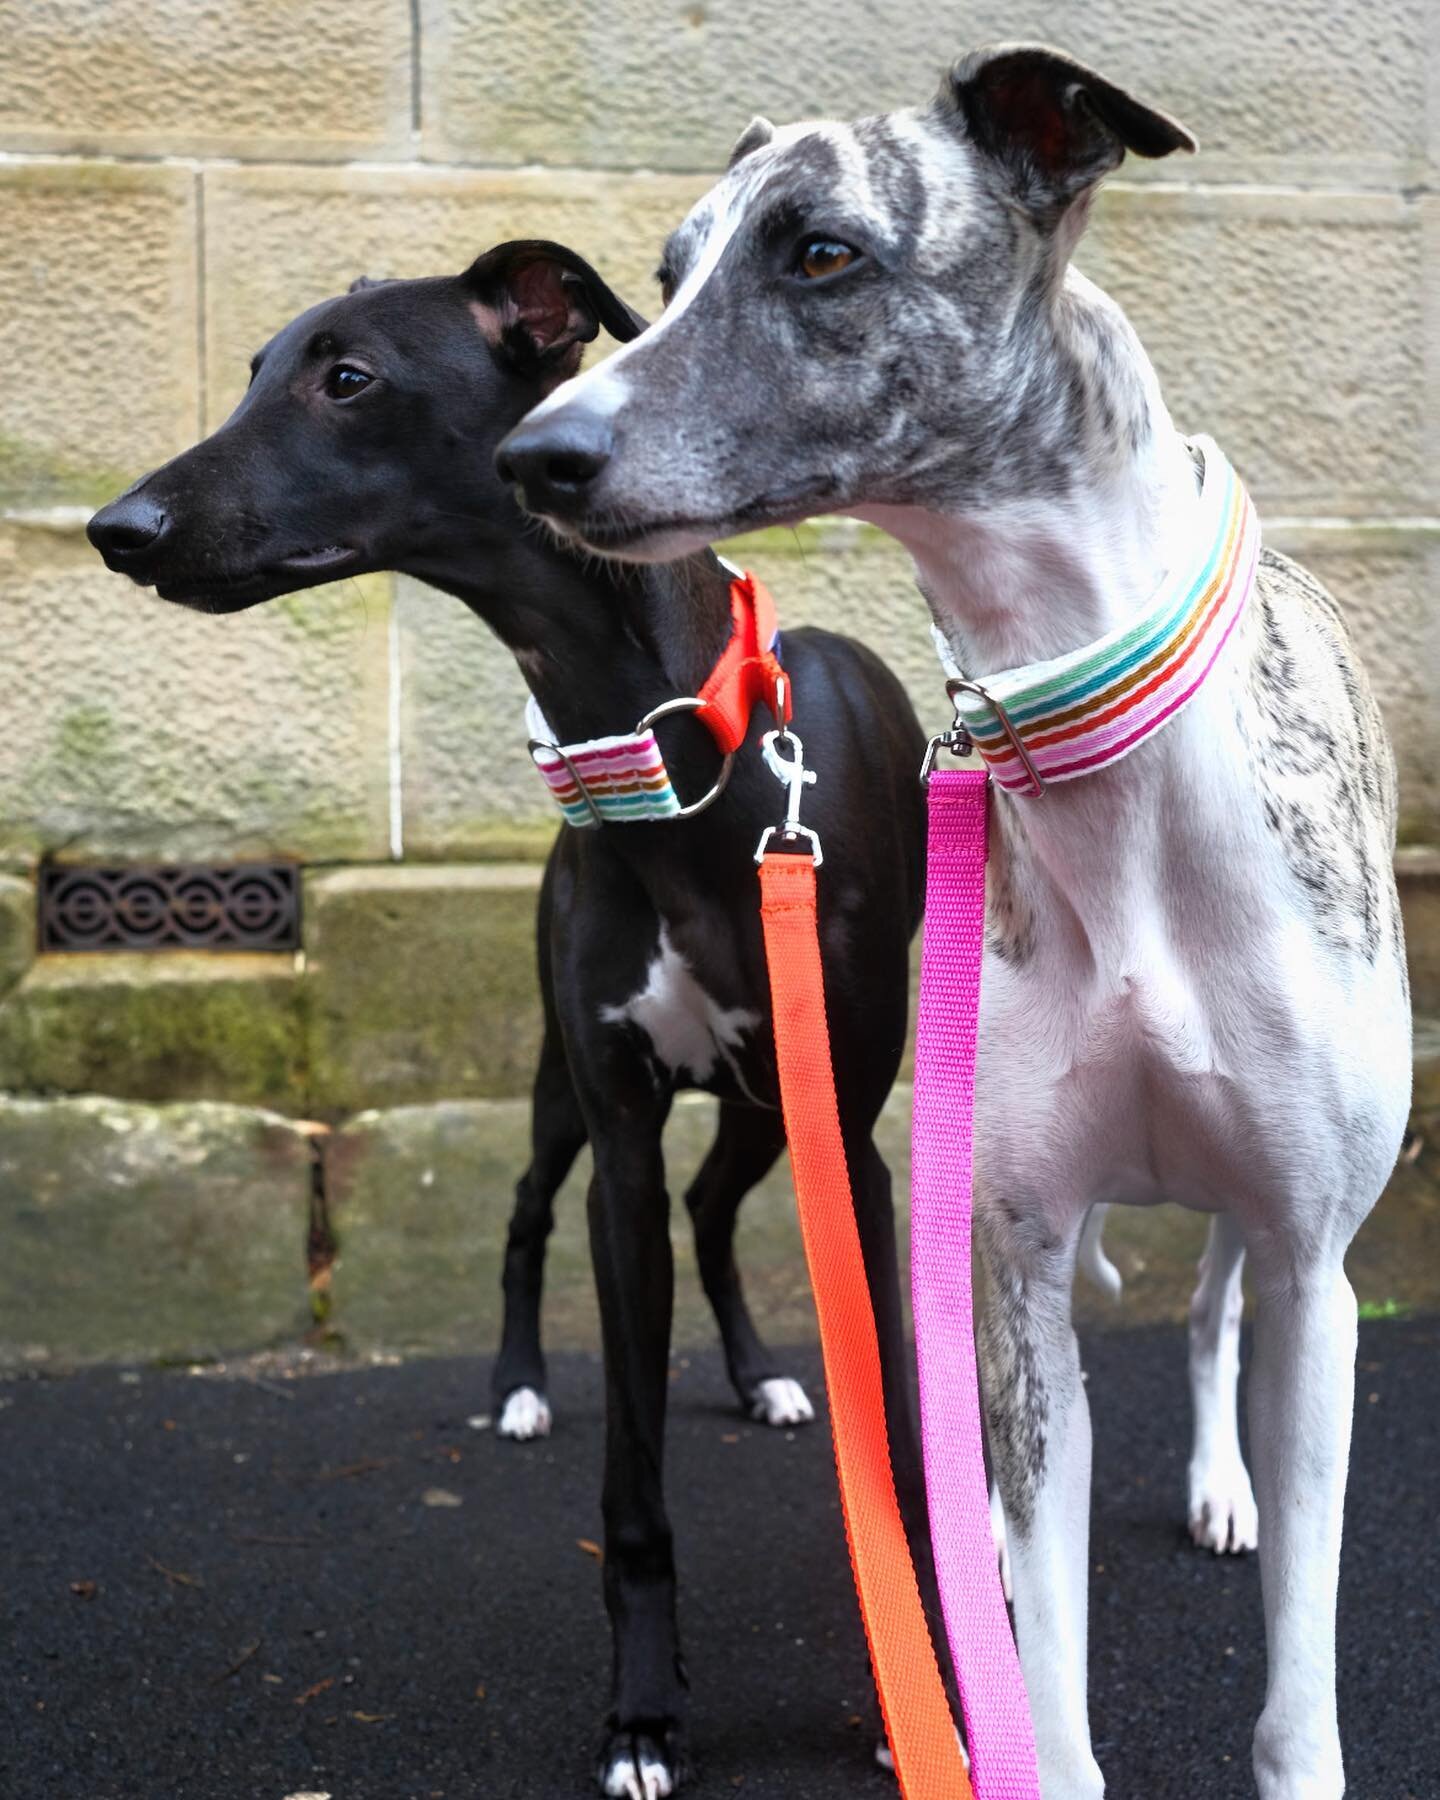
x,y
344,382
824,256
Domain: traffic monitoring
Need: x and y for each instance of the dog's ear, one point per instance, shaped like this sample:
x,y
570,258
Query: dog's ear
x,y
1053,127
541,303
755,136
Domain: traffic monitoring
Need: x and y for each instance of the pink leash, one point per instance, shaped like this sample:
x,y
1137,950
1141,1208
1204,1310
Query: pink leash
x,y
992,1691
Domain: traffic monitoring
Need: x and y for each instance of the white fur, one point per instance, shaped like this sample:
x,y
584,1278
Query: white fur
x,y
1223,1515
688,1031
779,1401
644,1780
526,1415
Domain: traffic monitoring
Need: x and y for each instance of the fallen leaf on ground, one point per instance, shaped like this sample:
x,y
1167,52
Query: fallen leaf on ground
x,y
591,1548
312,1693
84,1590
371,1718
440,1497
177,1577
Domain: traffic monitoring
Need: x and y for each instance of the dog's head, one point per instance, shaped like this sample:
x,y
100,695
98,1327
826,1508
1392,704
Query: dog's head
x,y
367,434
858,314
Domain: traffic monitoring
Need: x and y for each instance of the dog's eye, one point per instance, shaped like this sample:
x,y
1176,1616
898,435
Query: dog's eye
x,y
667,285
820,257
344,382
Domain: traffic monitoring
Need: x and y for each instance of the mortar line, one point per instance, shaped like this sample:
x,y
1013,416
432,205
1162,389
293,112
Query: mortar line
x,y
396,747
201,347
416,80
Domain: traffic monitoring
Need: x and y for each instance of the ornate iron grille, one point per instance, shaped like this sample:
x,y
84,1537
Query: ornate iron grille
x,y
183,906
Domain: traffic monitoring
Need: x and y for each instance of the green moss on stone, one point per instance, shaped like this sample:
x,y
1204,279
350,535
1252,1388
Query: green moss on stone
x,y
17,930
422,984
158,1027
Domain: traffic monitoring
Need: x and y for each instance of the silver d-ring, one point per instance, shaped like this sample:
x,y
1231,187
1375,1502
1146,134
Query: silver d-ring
x,y
690,703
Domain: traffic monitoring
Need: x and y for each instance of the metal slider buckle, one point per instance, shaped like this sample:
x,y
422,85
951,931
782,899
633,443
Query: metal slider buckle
x,y
686,703
958,741
791,771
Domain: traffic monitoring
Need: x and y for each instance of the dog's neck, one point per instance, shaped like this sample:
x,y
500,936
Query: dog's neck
x,y
599,643
1021,579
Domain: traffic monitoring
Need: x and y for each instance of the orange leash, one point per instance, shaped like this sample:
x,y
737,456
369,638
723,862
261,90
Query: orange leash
x,y
918,1722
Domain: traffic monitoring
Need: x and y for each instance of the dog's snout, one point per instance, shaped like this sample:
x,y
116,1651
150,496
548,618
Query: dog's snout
x,y
127,530
556,462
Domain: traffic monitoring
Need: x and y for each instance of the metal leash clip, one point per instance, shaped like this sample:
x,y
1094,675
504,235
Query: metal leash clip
x,y
791,771
957,740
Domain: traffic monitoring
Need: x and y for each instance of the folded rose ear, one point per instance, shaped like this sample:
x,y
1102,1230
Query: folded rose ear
x,y
1051,126
542,303
755,136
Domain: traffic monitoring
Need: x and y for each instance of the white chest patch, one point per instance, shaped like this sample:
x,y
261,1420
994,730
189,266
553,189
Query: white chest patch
x,y
687,1030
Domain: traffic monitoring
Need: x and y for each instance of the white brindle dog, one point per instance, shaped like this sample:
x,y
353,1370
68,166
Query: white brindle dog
x,y
1194,987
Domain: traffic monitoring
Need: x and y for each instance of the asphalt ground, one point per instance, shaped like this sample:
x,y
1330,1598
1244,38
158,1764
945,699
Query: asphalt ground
x,y
262,1584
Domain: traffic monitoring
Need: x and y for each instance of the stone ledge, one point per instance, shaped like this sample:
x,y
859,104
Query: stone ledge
x,y
178,1025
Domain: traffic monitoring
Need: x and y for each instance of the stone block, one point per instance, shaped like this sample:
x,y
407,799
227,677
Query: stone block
x,y
17,929
1312,91
134,729
422,984
469,785
261,269
177,1025
1289,327
165,77
97,325
420,1197
148,1231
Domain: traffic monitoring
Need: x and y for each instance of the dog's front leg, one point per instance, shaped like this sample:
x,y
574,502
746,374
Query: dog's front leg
x,y
1039,1434
1222,1503
630,1246
1301,1398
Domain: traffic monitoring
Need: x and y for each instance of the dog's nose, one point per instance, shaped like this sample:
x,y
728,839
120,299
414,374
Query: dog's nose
x,y
127,529
556,462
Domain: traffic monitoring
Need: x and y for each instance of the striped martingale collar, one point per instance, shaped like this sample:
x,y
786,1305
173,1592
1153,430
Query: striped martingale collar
x,y
1079,712
622,780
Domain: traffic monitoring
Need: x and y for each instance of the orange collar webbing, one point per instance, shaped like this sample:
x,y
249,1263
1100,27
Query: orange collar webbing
x,y
922,1735
748,673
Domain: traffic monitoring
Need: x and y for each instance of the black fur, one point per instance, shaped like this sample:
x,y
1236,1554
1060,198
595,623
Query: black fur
x,y
400,476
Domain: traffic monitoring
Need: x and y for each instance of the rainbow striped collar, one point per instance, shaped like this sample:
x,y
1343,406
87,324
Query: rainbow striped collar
x,y
1079,712
620,780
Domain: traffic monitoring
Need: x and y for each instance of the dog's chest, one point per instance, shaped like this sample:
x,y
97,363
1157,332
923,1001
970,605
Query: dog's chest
x,y
687,1030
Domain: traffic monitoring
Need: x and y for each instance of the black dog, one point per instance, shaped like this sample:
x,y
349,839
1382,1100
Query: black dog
x,y
366,441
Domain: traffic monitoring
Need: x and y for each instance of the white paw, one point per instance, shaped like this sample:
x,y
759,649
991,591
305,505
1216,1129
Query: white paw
x,y
644,1780
526,1415
781,1402
1223,1515
1000,1531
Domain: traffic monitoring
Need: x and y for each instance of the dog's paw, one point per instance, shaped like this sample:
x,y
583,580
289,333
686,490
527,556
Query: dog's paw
x,y
1000,1532
781,1402
643,1764
525,1415
1223,1514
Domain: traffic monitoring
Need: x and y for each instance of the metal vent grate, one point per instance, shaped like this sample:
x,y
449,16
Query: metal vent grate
x,y
178,906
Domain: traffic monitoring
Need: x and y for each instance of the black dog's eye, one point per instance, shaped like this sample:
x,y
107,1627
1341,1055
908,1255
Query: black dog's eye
x,y
344,382
667,285
820,257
